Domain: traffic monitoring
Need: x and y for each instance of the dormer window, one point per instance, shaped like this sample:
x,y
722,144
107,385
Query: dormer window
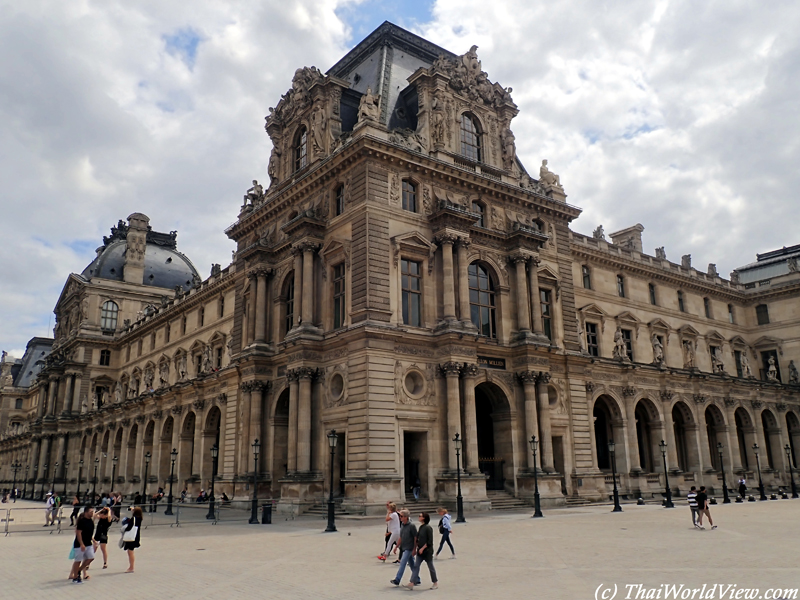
x,y
301,149
470,138
108,316
409,196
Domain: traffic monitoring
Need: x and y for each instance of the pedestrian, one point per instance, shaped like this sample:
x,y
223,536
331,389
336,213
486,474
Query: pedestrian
x,y
446,530
104,518
131,523
424,553
82,546
691,498
408,545
184,492
49,509
417,486
76,507
137,499
702,503
742,488
392,529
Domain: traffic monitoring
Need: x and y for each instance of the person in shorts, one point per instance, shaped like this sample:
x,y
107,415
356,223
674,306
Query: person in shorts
x,y
702,505
84,550
49,509
691,498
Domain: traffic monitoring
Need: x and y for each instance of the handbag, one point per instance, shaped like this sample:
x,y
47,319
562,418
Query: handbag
x,y
130,535
72,553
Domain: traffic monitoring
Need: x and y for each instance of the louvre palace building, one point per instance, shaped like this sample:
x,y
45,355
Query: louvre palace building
x,y
402,279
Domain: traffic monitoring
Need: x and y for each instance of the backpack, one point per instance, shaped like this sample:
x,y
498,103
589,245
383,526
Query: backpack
x,y
441,526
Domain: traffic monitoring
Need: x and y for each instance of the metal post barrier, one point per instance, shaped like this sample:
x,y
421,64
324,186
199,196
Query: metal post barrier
x,y
8,518
178,516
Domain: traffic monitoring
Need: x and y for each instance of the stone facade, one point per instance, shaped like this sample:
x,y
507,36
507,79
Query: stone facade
x,y
403,279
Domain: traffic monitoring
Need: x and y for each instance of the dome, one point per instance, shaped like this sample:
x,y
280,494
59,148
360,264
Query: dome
x,y
164,266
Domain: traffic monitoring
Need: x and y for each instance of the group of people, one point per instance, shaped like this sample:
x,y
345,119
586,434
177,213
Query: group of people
x,y
698,503
11,495
414,544
90,536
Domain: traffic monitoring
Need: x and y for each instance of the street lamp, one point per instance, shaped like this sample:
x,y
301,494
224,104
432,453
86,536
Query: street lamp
x,y
80,474
727,499
788,449
94,481
663,446
53,486
612,452
254,508
25,485
16,466
114,462
760,481
146,469
459,500
211,503
44,481
332,439
537,509
66,476
173,455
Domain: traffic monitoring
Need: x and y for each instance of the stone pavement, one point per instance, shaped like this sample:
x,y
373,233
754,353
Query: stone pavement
x,y
568,554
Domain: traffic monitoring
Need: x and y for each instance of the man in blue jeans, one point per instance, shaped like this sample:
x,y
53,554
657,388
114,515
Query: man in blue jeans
x,y
408,546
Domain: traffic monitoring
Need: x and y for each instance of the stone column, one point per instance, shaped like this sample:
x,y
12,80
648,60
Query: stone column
x,y
251,312
44,455
76,393
533,282
246,401
546,444
298,284
528,379
463,285
468,374
261,307
308,285
176,445
59,457
523,308
633,441
669,432
69,390
291,458
706,462
42,400
51,395
733,437
33,457
306,374
446,241
256,415
451,371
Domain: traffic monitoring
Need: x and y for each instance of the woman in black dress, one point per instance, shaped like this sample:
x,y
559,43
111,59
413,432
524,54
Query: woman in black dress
x,y
135,520
101,533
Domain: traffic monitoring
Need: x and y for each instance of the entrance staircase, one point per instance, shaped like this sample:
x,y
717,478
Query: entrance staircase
x,y
321,510
502,500
576,501
420,506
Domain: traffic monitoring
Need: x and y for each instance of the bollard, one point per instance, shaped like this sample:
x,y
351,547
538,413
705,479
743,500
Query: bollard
x,y
712,501
751,499
266,514
739,500
640,501
773,497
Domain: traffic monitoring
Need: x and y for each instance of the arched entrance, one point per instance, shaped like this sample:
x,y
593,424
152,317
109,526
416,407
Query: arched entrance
x,y
771,439
603,433
793,430
681,417
745,432
164,444
280,437
715,424
646,421
130,465
210,438
186,450
495,450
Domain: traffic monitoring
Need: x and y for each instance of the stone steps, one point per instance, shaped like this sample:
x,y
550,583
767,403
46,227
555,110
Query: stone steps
x,y
502,500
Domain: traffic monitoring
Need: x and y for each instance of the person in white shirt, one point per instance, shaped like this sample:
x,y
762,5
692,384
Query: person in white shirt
x,y
392,527
49,510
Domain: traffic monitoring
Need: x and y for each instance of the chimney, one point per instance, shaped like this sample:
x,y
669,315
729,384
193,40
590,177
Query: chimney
x,y
133,270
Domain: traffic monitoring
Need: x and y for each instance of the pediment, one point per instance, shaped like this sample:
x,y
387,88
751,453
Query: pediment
x,y
548,273
715,336
659,324
414,244
766,341
73,285
627,316
594,310
737,340
198,346
688,330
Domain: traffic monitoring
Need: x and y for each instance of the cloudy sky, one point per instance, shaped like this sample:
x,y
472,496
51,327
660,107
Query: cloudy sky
x,y
679,115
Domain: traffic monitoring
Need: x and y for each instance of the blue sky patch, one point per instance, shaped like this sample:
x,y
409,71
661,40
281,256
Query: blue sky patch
x,y
365,17
183,43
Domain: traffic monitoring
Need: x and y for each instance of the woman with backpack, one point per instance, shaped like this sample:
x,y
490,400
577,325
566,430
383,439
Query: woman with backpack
x,y
446,529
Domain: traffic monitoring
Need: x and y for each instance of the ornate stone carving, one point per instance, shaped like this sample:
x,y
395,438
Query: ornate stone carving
x,y
628,390
661,254
699,398
139,419
620,351
772,371
528,376
450,369
730,402
409,139
255,194
369,107
394,189
712,270
199,403
658,351
222,398
666,395
544,377
466,77
688,353
589,386
469,370
125,422
158,414
794,376
716,361
686,261
297,98
176,410
756,404
509,150
414,350
781,407
598,233
547,177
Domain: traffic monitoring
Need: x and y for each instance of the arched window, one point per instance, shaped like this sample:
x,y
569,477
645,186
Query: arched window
x,y
409,196
470,138
481,300
288,295
301,149
478,209
339,200
108,316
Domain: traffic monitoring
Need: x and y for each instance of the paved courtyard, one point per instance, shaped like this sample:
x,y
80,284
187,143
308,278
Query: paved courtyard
x,y
568,554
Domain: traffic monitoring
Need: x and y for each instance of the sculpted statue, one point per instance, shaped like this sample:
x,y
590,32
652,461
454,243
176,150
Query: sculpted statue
x,y
318,126
84,406
712,270
118,393
85,309
792,264
620,349
163,375
686,261
772,370
207,366
661,254
747,373
547,177
509,150
3,356
734,278
274,164
598,233
794,376
716,361
658,351
229,346
688,354
368,108
438,119
149,376
255,194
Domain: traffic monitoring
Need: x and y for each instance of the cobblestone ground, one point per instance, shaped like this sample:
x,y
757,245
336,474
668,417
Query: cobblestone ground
x,y
568,554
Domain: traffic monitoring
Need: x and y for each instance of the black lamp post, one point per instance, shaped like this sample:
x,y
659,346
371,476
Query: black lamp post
x,y
788,450
763,496
668,503
173,455
25,485
114,462
459,500
53,485
332,439
537,509
612,452
94,480
727,499
66,477
16,466
211,503
80,474
254,508
44,482
146,470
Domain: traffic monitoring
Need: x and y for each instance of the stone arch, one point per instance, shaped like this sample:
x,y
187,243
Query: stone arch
x,y
494,439
793,433
165,447
130,466
186,448
211,437
746,433
648,428
682,422
772,438
714,422
607,425
280,434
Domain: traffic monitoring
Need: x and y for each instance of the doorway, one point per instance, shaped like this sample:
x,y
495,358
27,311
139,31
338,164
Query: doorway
x,y
415,463
495,451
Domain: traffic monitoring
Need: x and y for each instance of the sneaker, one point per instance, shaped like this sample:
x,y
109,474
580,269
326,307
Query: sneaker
x,y
701,527
394,582
435,586
713,527
77,581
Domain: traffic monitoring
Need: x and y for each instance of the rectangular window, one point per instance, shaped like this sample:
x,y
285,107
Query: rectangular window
x,y
338,296
183,325
18,403
139,348
737,357
219,358
547,313
587,277
221,306
730,314
592,344
153,341
620,286
411,286
626,336
128,353
409,196
105,358
167,331
762,314
681,307
201,316
339,200
199,364
289,321
707,307
652,288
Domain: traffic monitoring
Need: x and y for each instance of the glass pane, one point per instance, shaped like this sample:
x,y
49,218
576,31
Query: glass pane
x,y
475,315
405,308
416,318
415,283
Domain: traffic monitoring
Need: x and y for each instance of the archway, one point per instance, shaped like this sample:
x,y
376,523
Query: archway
x,y
186,450
280,437
681,417
105,460
210,438
745,433
603,432
164,447
715,428
117,454
130,464
793,430
495,450
772,440
646,420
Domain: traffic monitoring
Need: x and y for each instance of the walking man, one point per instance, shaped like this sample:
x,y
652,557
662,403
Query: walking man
x,y
702,503
408,545
424,553
691,497
49,508
84,550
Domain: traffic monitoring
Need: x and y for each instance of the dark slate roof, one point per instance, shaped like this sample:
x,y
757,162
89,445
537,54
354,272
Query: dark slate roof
x,y
37,351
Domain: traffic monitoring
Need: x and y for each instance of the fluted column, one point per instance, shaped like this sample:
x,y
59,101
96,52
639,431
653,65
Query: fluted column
x,y
306,374
251,312
51,395
451,371
246,399
76,393
59,457
261,307
528,379
446,241
633,442
297,251
544,422
42,400
523,307
257,402
291,458
733,437
308,285
463,285
468,374
705,450
66,401
669,432
533,282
